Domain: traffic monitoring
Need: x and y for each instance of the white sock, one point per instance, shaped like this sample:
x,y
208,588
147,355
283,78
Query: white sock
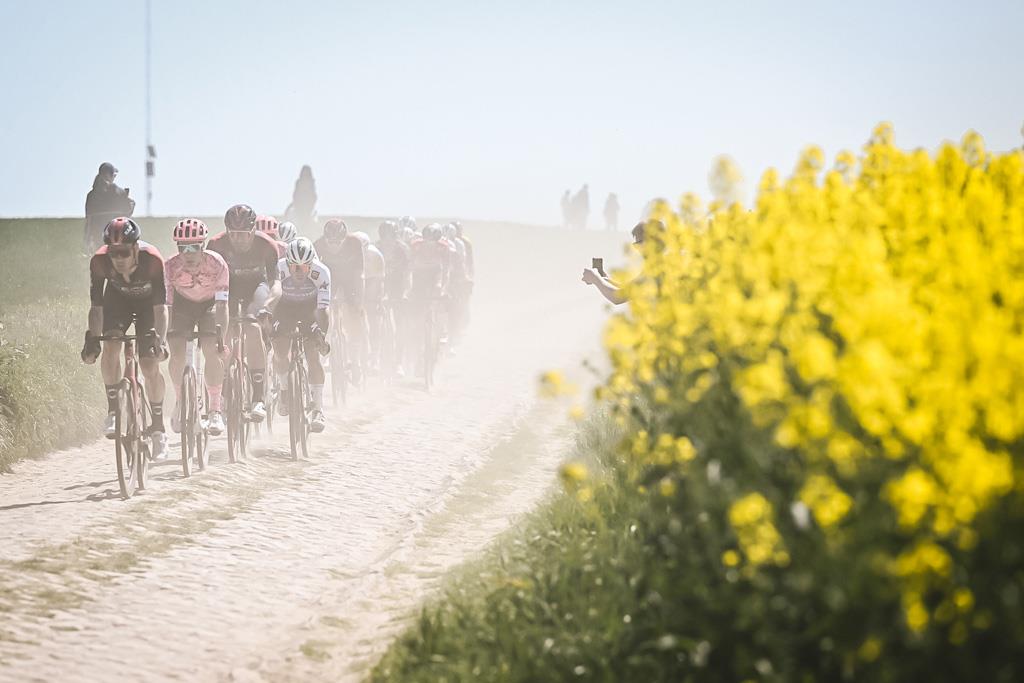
x,y
282,381
318,396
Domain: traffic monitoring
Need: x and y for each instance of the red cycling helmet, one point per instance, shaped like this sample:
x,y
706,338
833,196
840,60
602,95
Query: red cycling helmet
x,y
268,225
335,228
240,218
121,230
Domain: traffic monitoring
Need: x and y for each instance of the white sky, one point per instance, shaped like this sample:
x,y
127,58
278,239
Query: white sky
x,y
479,109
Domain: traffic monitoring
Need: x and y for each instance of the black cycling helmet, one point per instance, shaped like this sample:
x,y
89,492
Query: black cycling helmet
x,y
335,228
121,230
240,218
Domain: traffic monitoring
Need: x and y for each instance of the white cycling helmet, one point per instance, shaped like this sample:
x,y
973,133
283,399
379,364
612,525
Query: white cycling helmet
x,y
287,232
300,252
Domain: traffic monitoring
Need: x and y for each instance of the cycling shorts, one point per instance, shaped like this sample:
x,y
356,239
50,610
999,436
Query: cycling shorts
x,y
288,319
187,314
119,311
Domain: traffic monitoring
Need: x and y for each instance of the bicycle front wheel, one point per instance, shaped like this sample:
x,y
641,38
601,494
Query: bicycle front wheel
x,y
234,404
189,424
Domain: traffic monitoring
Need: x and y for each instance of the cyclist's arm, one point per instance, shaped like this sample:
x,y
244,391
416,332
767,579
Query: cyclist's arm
x,y
96,282
159,299
323,302
220,309
273,279
160,320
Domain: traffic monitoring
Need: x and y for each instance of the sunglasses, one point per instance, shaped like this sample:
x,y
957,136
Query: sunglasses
x,y
299,267
120,253
190,248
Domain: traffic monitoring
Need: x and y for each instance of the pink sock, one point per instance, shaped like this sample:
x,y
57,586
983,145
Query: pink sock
x,y
214,398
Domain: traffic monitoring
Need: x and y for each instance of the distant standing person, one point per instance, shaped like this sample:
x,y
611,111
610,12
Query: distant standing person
x,y
611,212
302,210
567,209
581,207
105,202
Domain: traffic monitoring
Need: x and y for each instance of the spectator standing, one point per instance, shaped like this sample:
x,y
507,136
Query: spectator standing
x,y
302,210
581,207
611,212
567,209
105,202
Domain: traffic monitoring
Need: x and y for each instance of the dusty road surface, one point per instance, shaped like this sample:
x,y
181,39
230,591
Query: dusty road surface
x,y
270,570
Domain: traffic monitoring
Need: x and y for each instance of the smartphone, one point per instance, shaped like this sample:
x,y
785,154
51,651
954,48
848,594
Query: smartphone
x,y
598,265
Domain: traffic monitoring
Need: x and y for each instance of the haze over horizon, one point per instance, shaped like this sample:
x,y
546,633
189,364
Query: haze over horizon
x,y
479,110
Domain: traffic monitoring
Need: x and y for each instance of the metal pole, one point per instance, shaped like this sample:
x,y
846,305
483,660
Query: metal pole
x,y
149,125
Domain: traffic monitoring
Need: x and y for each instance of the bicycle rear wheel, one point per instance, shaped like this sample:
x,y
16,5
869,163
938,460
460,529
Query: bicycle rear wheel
x,y
339,365
187,407
305,400
202,433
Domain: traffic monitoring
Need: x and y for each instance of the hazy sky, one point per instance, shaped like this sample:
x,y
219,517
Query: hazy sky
x,y
479,109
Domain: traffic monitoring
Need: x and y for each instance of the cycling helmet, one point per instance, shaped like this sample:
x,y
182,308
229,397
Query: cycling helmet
x,y
300,252
190,231
240,218
363,238
287,232
335,228
268,226
407,222
121,230
387,229
449,231
432,232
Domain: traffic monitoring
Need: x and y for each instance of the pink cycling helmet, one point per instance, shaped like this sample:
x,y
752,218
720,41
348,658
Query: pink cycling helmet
x,y
267,225
190,231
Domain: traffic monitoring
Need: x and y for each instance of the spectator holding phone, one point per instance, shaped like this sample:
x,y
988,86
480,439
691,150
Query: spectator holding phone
x,y
105,202
609,288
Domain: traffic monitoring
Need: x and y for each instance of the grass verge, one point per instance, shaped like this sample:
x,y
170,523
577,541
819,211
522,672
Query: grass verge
x,y
567,595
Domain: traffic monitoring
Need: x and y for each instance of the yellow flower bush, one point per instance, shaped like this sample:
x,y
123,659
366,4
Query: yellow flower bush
x,y
853,342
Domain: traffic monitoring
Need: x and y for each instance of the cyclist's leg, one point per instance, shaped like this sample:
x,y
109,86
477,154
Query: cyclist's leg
x,y
316,382
150,367
255,349
213,372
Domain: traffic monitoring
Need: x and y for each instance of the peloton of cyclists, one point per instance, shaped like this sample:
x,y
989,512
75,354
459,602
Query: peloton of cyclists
x,y
127,286
254,281
197,292
304,307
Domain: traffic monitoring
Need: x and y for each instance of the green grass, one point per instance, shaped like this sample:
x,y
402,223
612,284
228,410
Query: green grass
x,y
567,595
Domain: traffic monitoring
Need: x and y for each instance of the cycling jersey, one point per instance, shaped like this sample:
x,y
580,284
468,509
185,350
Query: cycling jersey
x,y
207,282
396,275
430,261
249,268
312,292
374,266
301,298
346,265
144,286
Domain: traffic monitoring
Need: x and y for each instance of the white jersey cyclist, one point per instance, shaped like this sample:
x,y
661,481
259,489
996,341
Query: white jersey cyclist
x,y
304,307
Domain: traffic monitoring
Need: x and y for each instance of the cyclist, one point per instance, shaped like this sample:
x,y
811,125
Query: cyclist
x,y
127,285
268,225
429,269
396,286
252,261
374,273
197,292
343,255
304,306
458,281
406,229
